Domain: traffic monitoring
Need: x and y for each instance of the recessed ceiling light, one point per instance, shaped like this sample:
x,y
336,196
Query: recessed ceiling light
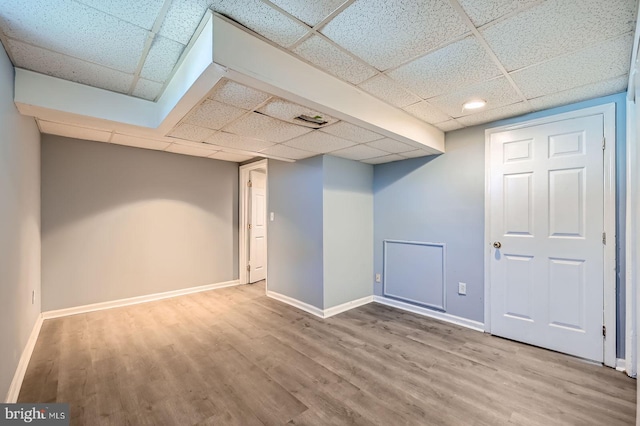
x,y
474,104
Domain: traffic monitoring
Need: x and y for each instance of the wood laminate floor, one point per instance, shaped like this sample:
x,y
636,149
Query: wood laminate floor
x,y
235,357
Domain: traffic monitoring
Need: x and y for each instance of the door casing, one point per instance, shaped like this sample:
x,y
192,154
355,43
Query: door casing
x,y
608,111
244,219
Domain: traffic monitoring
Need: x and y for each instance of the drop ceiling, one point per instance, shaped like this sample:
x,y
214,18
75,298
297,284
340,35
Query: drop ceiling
x,y
421,58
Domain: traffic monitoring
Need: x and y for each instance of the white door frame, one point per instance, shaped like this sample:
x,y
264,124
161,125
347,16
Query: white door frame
x,y
243,220
609,309
632,232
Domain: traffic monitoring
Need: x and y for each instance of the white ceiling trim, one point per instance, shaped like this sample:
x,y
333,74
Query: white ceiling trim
x,y
268,68
54,99
214,55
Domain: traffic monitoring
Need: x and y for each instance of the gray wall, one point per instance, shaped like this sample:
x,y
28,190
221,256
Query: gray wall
x,y
19,227
441,199
348,230
120,222
295,236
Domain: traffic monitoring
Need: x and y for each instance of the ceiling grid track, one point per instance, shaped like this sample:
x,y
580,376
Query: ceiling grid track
x,y
157,24
515,44
490,52
316,28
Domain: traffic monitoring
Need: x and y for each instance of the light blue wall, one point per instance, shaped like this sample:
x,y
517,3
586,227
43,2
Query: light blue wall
x,y
441,199
438,200
295,266
348,230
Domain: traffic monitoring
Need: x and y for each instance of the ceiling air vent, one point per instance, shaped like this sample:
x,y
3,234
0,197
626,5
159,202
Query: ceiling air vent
x,y
317,120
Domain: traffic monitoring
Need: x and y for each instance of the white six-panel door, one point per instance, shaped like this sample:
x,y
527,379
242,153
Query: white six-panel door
x,y
257,226
546,207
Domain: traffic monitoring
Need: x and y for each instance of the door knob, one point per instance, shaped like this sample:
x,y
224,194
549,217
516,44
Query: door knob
x,y
497,244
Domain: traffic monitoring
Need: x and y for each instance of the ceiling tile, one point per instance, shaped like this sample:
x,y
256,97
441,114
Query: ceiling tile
x,y
496,92
288,111
495,114
139,142
183,18
412,27
75,30
142,13
427,112
309,12
485,11
557,27
351,132
237,95
325,55
231,156
582,93
359,152
448,126
191,132
319,142
162,58
284,151
260,126
415,154
147,89
389,91
213,114
384,159
65,67
459,64
70,131
601,62
238,142
391,146
189,150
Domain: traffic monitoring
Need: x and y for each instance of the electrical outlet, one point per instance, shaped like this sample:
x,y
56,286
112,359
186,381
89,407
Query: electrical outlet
x,y
462,288
272,216
378,278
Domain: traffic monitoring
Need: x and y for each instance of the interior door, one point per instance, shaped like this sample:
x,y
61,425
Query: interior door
x,y
257,226
547,222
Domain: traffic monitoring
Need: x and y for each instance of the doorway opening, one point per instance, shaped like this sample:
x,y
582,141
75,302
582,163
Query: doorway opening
x,y
253,222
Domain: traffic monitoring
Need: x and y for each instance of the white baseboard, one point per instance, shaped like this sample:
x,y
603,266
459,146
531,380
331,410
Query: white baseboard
x,y
322,313
296,303
135,300
335,310
621,364
18,377
442,316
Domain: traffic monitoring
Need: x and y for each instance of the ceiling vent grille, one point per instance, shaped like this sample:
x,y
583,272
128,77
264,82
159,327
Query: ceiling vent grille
x,y
317,120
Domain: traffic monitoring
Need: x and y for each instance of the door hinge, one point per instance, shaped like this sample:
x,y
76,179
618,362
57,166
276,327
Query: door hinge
x,y
248,268
604,331
249,226
249,184
604,238
604,143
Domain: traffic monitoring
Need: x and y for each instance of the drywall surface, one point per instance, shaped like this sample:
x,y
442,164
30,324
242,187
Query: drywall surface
x,y
19,227
295,267
440,199
347,230
120,222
